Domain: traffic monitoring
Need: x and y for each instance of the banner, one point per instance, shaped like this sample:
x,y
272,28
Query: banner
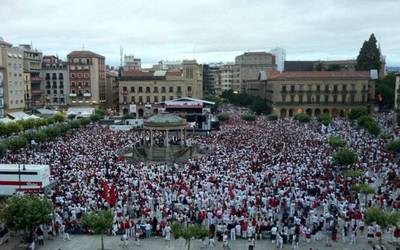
x,y
132,108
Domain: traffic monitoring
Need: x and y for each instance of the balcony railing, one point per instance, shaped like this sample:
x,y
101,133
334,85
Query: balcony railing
x,y
87,94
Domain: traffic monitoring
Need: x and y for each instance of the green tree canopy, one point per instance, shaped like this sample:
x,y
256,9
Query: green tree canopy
x,y
381,217
357,112
249,117
192,231
345,157
98,222
369,56
393,146
336,141
385,90
302,117
223,117
325,119
26,212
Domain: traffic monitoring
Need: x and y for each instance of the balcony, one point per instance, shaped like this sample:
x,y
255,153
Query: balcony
x,y
36,79
36,92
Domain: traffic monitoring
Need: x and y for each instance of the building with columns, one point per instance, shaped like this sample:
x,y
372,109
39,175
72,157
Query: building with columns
x,y
87,78
314,92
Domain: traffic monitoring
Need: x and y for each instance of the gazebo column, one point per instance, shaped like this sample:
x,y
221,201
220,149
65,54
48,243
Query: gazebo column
x,y
166,138
181,137
151,138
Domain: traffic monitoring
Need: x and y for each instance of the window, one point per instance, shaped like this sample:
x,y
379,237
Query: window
x,y
86,84
326,98
335,88
283,98
163,98
54,84
55,99
147,89
155,98
292,88
73,84
334,98
171,98
162,89
61,92
60,76
284,88
133,99
171,89
344,87
54,76
47,76
155,89
48,92
326,88
55,92
352,98
61,84
292,98
140,99
147,99
178,89
318,98
132,89
124,88
344,98
140,90
189,89
301,98
125,99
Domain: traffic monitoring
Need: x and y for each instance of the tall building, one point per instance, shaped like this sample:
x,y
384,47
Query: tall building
x,y
314,92
112,89
132,63
211,79
248,65
55,81
226,76
141,92
11,59
2,69
280,58
397,98
87,77
32,66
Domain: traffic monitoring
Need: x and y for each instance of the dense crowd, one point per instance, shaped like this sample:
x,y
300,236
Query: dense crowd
x,y
266,179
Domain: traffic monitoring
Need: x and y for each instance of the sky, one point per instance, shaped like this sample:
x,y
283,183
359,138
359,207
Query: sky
x,y
207,30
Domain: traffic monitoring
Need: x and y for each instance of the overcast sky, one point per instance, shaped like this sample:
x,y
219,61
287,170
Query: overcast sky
x,y
208,30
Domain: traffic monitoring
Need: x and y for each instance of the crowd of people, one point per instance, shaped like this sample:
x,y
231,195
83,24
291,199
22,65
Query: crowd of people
x,y
270,180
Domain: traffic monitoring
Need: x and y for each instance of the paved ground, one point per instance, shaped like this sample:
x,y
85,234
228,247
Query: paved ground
x,y
85,242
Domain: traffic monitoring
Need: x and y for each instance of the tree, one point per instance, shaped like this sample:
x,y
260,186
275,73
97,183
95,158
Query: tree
x,y
16,143
302,117
260,106
249,117
3,149
325,119
10,128
272,117
99,222
192,231
385,90
345,157
357,112
393,146
128,116
58,117
381,217
369,124
336,141
75,124
369,56
26,212
364,189
217,100
222,117
353,173
84,121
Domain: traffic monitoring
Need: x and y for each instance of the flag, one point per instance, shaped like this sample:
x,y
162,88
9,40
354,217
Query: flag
x,y
112,199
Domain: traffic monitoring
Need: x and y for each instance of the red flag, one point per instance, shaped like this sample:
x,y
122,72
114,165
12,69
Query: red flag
x,y
112,199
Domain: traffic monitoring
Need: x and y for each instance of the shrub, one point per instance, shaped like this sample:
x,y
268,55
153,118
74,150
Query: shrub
x,y
356,113
96,117
325,119
75,124
84,121
381,217
41,122
51,120
3,149
63,127
16,143
40,136
27,124
249,117
128,116
71,116
353,173
52,132
393,146
302,117
58,117
10,128
272,117
345,157
223,117
369,124
101,112
336,141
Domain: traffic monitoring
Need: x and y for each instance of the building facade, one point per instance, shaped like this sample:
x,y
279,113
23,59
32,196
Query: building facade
x,y
87,77
32,67
55,83
333,92
112,97
397,98
226,77
141,92
248,65
211,79
11,59
2,113
280,57
132,63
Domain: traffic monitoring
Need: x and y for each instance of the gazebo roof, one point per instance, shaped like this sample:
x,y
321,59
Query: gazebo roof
x,y
164,121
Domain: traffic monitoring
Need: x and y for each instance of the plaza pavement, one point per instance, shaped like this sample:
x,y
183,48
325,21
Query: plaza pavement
x,y
86,242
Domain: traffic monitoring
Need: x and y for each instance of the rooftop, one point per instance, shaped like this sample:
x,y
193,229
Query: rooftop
x,y
165,120
318,74
84,53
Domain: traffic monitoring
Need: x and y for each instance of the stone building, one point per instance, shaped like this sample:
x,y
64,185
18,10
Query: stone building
x,y
87,77
141,92
55,81
226,77
32,66
11,59
248,65
2,69
112,89
211,79
314,92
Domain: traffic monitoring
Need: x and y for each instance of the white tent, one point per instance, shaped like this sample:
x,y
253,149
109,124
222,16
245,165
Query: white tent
x,y
21,116
81,112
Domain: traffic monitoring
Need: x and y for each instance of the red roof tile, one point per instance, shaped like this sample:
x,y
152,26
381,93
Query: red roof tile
x,y
137,73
